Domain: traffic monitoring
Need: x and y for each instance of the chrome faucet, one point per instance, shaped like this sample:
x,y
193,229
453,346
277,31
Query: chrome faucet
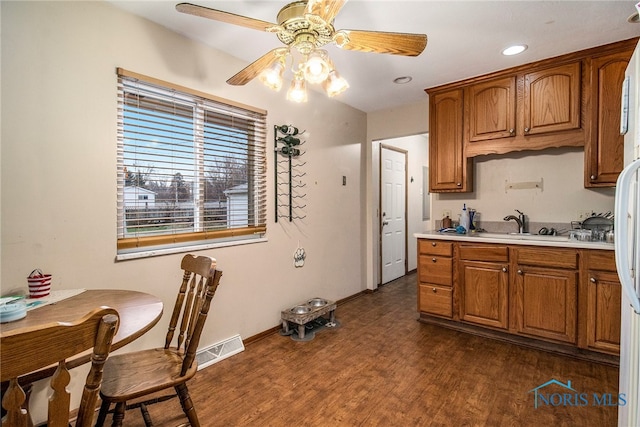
x,y
520,219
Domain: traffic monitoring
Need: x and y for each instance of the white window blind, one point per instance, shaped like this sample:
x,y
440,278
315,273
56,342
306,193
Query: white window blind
x,y
191,167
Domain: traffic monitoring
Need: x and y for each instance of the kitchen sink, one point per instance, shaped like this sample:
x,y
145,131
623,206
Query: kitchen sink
x,y
521,236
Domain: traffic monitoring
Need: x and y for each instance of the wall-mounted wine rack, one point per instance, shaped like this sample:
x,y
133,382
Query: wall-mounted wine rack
x,y
288,173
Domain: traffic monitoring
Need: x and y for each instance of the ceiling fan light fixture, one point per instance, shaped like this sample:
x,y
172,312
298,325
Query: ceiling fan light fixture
x,y
335,84
515,49
316,68
298,90
271,77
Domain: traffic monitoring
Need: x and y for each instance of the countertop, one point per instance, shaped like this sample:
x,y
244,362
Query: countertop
x,y
516,239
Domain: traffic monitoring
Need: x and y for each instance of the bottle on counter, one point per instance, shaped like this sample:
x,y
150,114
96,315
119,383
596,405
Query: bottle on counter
x,y
464,217
446,222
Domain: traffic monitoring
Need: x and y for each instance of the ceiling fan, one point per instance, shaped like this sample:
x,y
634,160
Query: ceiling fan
x,y
305,27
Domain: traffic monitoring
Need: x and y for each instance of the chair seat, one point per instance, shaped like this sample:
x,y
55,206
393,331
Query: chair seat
x,y
132,375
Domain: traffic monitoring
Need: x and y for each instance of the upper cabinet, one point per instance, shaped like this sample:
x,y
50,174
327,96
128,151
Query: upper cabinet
x,y
525,111
551,100
491,109
604,146
450,170
568,101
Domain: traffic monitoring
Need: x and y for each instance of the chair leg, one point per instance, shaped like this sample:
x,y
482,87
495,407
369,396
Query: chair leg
x,y
118,414
145,415
102,415
187,405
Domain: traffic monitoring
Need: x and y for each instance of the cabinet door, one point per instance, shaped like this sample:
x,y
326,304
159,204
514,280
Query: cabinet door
x,y
449,170
491,109
604,150
603,311
552,99
546,303
484,293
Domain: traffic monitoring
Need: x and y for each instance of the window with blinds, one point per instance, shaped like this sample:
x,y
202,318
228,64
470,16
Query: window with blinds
x,y
191,167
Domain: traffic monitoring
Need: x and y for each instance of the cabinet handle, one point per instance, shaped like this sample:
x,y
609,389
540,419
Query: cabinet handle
x,y
434,290
459,184
593,280
433,244
526,130
433,259
519,271
504,269
593,177
512,131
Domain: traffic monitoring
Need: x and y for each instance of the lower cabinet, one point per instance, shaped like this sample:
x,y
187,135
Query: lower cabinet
x,y
602,289
484,285
546,303
545,289
570,297
435,277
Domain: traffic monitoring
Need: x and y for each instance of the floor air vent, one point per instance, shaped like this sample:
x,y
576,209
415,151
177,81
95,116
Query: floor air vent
x,y
219,351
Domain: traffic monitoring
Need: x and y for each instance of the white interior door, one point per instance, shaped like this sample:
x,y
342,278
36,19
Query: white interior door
x,y
393,223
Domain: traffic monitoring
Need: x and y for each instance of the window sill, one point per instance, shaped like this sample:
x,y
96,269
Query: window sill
x,y
150,252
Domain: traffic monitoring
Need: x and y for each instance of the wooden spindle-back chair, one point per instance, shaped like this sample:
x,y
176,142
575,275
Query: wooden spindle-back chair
x,y
139,374
29,349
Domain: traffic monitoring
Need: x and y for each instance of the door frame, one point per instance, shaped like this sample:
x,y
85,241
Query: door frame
x,y
380,219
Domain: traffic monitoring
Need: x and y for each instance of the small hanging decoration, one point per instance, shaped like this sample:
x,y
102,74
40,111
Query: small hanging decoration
x,y
299,256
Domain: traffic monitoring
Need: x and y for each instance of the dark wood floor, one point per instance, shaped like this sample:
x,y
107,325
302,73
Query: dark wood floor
x,y
382,367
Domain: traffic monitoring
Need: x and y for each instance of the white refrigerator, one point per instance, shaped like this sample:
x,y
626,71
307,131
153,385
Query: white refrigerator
x,y
627,246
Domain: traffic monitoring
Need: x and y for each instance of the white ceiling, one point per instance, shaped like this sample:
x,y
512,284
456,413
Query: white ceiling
x,y
465,38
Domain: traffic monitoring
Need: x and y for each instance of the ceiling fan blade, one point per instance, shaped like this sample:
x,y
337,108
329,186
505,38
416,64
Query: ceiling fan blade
x,y
325,9
380,42
218,15
252,70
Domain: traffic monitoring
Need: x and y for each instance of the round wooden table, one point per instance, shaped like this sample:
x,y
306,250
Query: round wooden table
x,y
138,311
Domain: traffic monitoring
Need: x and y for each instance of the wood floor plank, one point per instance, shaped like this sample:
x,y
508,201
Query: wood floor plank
x,y
382,367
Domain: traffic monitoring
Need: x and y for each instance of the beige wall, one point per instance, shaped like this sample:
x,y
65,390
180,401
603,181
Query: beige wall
x,y
59,168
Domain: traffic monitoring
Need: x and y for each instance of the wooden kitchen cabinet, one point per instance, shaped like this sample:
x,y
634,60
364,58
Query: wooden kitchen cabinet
x,y
604,147
435,277
551,99
600,303
560,299
490,109
484,285
449,169
529,109
572,100
545,293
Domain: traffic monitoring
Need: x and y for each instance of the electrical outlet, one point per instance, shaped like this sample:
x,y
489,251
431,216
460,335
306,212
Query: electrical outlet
x,y
446,213
582,215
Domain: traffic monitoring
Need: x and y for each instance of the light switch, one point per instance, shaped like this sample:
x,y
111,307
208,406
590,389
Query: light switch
x,y
344,180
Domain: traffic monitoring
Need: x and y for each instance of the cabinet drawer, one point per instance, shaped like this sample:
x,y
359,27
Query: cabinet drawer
x,y
484,253
436,300
547,257
435,247
435,269
601,260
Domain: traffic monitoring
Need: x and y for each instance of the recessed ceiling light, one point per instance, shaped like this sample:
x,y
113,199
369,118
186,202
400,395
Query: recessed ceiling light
x,y
515,49
402,80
